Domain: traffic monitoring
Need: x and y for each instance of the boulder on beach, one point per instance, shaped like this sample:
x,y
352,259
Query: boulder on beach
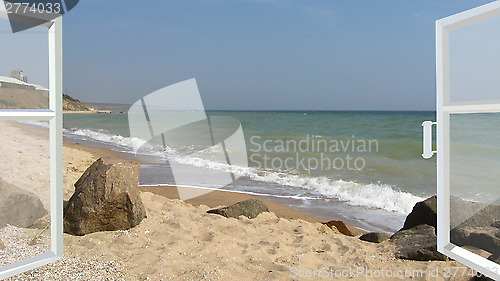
x,y
19,207
106,198
424,212
486,238
472,214
417,243
472,223
374,237
250,208
340,226
462,213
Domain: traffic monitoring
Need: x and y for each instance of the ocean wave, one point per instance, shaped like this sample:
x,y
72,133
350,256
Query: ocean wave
x,y
106,137
380,196
373,195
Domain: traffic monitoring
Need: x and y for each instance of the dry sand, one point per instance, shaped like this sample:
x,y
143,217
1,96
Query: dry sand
x,y
180,241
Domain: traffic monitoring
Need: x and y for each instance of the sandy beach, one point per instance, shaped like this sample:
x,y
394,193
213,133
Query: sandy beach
x,y
179,241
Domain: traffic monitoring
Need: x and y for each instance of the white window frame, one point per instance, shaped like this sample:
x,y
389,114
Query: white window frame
x,y
55,118
444,109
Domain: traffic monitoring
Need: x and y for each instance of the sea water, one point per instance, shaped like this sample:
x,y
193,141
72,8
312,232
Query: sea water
x,y
370,169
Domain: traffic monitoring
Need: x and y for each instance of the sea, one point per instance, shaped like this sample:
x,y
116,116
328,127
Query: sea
x,y
363,167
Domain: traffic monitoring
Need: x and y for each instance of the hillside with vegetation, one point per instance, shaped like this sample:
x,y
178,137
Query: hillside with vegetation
x,y
72,104
18,96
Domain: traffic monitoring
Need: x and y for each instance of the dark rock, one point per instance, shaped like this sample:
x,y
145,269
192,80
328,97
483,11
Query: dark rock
x,y
486,238
250,208
424,212
106,198
417,243
495,257
340,226
462,213
472,223
374,237
19,207
472,214
2,245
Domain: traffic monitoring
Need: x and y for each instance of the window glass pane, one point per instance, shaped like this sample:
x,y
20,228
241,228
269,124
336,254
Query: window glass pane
x,y
24,191
475,180
23,68
475,62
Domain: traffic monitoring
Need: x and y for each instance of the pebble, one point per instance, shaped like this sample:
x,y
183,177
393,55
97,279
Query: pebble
x,y
16,248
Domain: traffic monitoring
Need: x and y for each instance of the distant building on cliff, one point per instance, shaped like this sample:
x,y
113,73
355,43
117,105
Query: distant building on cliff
x,y
18,74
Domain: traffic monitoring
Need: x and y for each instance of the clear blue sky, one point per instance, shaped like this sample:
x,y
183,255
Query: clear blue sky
x,y
258,54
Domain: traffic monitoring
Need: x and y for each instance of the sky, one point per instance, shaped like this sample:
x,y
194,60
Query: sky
x,y
27,51
258,54
475,61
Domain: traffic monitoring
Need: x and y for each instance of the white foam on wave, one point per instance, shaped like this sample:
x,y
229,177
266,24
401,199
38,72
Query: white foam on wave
x,y
379,196
105,137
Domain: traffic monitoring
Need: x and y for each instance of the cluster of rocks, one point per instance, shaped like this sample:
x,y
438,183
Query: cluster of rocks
x,y
474,226
417,239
